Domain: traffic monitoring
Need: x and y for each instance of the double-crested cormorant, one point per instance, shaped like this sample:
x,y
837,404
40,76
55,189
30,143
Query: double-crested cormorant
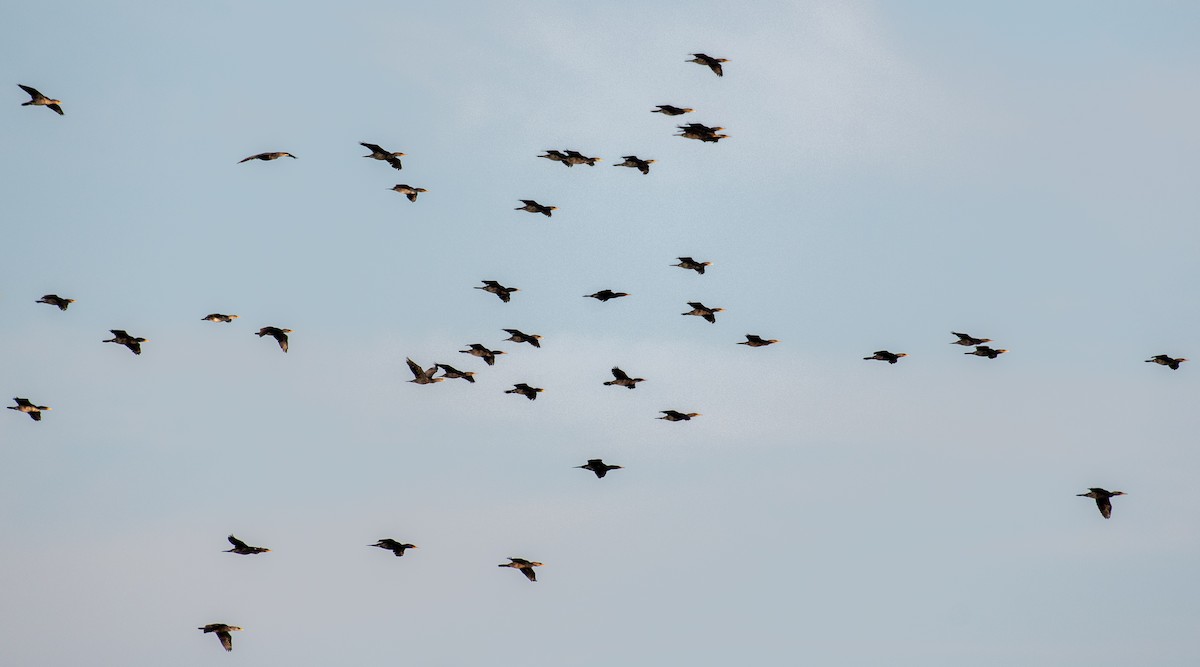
x,y
451,373
222,631
753,340
884,355
621,379
267,156
240,547
218,317
701,310
636,162
393,546
525,566
668,110
967,340
599,467
505,293
39,100
517,336
1164,360
379,153
525,390
985,351
575,157
1102,499
280,335
408,191
34,411
421,376
676,416
708,61
477,350
605,295
534,207
701,132
122,338
56,300
692,265
555,156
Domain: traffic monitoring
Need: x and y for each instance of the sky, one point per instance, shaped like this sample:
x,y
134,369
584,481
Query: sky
x,y
894,172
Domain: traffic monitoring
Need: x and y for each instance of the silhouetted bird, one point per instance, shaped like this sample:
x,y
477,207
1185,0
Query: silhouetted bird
x,y
56,300
393,546
517,336
621,379
701,132
379,153
884,355
708,61
605,295
421,376
280,335
525,566
122,338
701,310
575,157
218,317
599,467
240,547
966,340
37,99
754,341
408,191
477,350
985,351
1102,499
505,293
556,156
668,110
222,631
1164,360
267,156
534,207
451,373
676,416
692,265
525,390
34,411
636,162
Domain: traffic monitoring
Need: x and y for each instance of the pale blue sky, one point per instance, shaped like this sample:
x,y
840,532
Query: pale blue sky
x,y
895,171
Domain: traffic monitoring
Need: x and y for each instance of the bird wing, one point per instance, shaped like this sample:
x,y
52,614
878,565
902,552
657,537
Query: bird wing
x,y
56,108
504,295
134,347
697,305
119,333
374,148
252,157
395,162
33,92
620,375
283,341
529,573
23,402
1105,506
416,369
236,542
36,415
226,639
710,317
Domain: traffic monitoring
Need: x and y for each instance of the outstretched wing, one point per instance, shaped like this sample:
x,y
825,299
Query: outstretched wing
x,y
529,573
226,639
236,542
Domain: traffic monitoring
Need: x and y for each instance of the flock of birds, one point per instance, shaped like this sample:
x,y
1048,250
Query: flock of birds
x,y
428,375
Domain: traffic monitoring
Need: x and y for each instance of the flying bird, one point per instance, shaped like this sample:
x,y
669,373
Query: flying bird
x,y
267,156
525,390
884,355
1164,360
555,156
222,631
534,207
575,157
379,153
599,467
676,416
34,411
753,340
451,373
605,295
691,264
668,110
985,351
967,340
701,132
240,547
517,336
56,300
122,338
218,317
712,63
505,293
421,376
478,350
636,163
39,100
525,566
1102,499
280,335
700,310
393,546
408,191
622,379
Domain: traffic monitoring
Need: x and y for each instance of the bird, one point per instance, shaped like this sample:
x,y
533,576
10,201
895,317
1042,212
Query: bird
x,y
218,317
636,162
393,546
421,376
752,340
1164,360
55,300
505,293
884,355
691,264
34,411
668,110
268,156
525,390
701,132
985,351
599,467
122,338
556,156
525,566
240,547
676,416
408,191
621,379
222,631
39,100
700,310
605,295
966,340
477,350
712,63
1102,499
575,157
451,373
280,335
517,336
381,154
534,207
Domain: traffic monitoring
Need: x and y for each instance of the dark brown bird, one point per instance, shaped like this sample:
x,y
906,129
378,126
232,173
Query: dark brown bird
x,y
605,295
575,157
379,153
267,156
621,379
222,631
122,338
393,546
668,110
240,547
675,416
985,351
1102,499
218,317
534,207
525,566
884,355
636,162
701,310
692,265
408,191
280,335
712,63
753,340
599,467
56,300
517,336
477,350
505,293
421,376
555,156
451,373
701,133
966,340
39,100
525,390
1164,360
34,411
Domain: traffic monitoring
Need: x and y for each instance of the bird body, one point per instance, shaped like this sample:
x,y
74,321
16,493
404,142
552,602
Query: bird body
x,y
120,337
393,546
1164,360
636,163
478,350
39,100
710,62
884,355
505,293
753,340
599,467
676,416
451,373
555,156
267,156
573,158
218,317
422,376
517,336
668,110
240,547
691,264
525,566
985,351
1102,498
534,207
56,300
34,411
605,295
622,379
701,310
408,191
966,340
280,335
379,153
222,630
525,390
